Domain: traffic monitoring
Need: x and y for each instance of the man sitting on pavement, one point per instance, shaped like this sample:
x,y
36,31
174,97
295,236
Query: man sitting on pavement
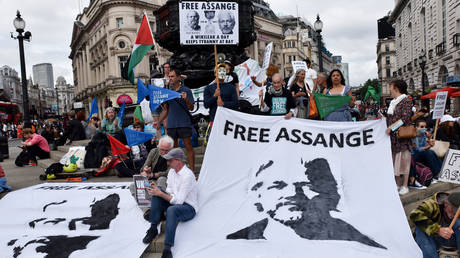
x,y
180,200
155,166
278,100
35,146
432,219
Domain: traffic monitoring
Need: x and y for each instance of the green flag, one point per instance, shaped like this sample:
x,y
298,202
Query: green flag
x,y
327,104
138,114
371,92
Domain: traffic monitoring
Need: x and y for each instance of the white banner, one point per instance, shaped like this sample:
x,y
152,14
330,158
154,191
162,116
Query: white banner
x,y
296,65
271,187
71,220
267,55
439,104
250,91
208,23
450,171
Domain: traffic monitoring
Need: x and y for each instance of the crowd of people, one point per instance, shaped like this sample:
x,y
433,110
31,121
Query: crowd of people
x,y
171,171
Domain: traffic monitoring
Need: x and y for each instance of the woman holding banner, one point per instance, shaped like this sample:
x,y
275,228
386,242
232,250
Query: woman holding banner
x,y
400,109
336,87
300,91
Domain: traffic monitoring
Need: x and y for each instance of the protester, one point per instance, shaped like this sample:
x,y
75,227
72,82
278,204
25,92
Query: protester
x,y
75,130
321,83
177,111
400,108
232,77
271,70
336,87
48,134
310,75
138,155
446,129
180,200
92,127
35,146
111,123
155,166
166,67
421,151
432,219
278,100
300,91
226,92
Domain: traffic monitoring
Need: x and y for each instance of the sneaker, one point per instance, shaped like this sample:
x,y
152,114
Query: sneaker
x,y
32,163
434,181
417,185
166,254
150,236
404,190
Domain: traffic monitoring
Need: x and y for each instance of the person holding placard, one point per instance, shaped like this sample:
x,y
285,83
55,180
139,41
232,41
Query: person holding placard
x,y
271,70
446,129
433,223
400,109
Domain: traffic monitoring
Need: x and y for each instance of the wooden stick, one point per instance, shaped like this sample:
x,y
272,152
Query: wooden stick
x,y
215,71
435,130
118,156
454,219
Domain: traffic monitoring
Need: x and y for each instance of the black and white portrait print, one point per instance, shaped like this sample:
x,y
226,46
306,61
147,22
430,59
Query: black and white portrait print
x,y
302,201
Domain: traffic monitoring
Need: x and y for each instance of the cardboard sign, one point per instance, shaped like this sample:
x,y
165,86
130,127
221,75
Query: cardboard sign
x,y
450,171
208,23
267,55
296,65
439,104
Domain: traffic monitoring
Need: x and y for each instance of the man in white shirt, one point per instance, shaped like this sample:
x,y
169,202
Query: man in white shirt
x,y
310,75
180,201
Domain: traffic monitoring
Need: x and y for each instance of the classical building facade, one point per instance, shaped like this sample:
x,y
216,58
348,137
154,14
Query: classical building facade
x,y
43,75
430,28
102,40
268,29
386,63
65,95
10,86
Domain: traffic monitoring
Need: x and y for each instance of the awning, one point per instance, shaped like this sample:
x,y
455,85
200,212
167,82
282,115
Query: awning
x,y
124,99
456,94
432,95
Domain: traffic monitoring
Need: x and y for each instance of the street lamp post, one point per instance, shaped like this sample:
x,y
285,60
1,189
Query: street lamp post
x,y
19,25
422,62
319,27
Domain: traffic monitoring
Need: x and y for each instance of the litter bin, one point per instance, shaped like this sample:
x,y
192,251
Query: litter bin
x,y
4,147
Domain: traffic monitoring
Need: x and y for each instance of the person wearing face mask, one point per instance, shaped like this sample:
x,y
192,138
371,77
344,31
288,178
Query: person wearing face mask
x,y
421,151
278,100
224,96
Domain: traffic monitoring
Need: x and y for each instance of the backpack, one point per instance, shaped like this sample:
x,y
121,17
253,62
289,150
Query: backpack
x,y
97,149
54,169
424,174
22,159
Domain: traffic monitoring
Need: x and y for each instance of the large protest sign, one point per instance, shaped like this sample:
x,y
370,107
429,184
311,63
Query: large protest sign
x,y
296,65
76,220
271,187
440,104
250,91
450,171
208,23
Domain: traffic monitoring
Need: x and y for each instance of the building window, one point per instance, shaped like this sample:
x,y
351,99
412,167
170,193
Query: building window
x,y
388,73
121,44
387,47
290,59
387,60
122,61
119,23
289,44
444,37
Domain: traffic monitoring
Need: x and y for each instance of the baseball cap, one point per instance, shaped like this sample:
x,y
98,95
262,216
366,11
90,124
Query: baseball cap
x,y
447,118
176,153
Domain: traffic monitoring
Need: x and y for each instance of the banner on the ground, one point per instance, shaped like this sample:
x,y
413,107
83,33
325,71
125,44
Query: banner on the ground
x,y
439,104
208,23
450,171
71,220
308,188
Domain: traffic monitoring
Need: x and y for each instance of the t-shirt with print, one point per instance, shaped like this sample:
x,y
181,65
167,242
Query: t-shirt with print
x,y
178,114
279,105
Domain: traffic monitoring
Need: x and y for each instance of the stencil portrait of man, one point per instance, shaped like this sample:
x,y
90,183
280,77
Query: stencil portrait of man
x,y
226,22
193,20
301,201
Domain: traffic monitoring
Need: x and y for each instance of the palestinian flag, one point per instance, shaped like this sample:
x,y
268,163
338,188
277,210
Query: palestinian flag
x,y
144,42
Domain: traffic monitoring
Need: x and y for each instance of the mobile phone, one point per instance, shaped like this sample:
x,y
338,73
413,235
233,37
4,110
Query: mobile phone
x,y
147,185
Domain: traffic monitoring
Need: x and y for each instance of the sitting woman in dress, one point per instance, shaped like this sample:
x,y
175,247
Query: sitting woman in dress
x,y
336,87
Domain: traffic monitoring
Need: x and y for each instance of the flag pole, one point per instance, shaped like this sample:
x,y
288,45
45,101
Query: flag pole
x,y
215,71
454,219
435,130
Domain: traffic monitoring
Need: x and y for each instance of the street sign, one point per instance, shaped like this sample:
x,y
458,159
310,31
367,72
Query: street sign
x,y
450,171
439,104
208,23
267,55
77,105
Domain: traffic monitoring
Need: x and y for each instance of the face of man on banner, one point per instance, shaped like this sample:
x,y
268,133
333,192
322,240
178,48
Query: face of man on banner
x,y
226,22
193,19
